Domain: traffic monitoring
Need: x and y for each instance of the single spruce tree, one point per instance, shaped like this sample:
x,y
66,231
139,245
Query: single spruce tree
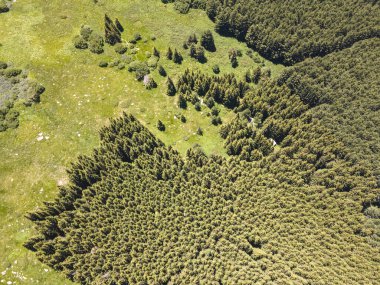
x,y
169,54
160,126
171,90
177,57
207,41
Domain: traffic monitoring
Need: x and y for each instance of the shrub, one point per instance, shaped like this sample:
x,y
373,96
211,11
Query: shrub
x,y
182,6
216,120
160,126
96,44
149,82
86,32
120,48
210,102
216,69
121,66
199,132
183,119
152,62
215,111
140,69
80,43
12,72
3,65
103,64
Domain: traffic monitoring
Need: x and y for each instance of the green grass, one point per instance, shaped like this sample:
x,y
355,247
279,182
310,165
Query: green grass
x,y
80,97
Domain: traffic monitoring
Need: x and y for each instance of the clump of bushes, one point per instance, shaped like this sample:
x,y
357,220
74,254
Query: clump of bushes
x,y
139,68
12,72
96,43
3,65
216,69
87,38
103,64
80,43
121,48
182,6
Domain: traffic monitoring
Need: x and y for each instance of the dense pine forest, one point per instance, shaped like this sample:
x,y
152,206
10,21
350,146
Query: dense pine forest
x,y
288,94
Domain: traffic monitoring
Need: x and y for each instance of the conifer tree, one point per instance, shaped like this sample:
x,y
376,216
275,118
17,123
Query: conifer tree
x,y
156,53
177,57
169,54
207,41
160,126
112,34
161,70
171,90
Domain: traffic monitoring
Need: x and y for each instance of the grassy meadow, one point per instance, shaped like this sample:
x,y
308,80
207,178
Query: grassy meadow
x,y
80,97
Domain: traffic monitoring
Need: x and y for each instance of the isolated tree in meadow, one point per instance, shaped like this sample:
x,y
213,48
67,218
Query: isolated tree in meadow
x,y
171,90
112,34
160,126
161,70
169,54
156,53
177,57
207,41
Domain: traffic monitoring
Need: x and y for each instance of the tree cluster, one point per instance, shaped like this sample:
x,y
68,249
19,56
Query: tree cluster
x,y
290,31
225,89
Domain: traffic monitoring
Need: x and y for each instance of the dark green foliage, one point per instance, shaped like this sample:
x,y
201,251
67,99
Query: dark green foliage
x,y
149,82
162,71
198,106
103,64
199,131
86,32
119,26
192,39
183,119
182,101
120,48
16,87
80,43
177,57
12,72
171,90
290,31
152,217
225,89
3,65
112,33
232,55
3,6
169,54
160,126
216,69
156,53
139,68
182,6
216,120
198,53
96,43
207,41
